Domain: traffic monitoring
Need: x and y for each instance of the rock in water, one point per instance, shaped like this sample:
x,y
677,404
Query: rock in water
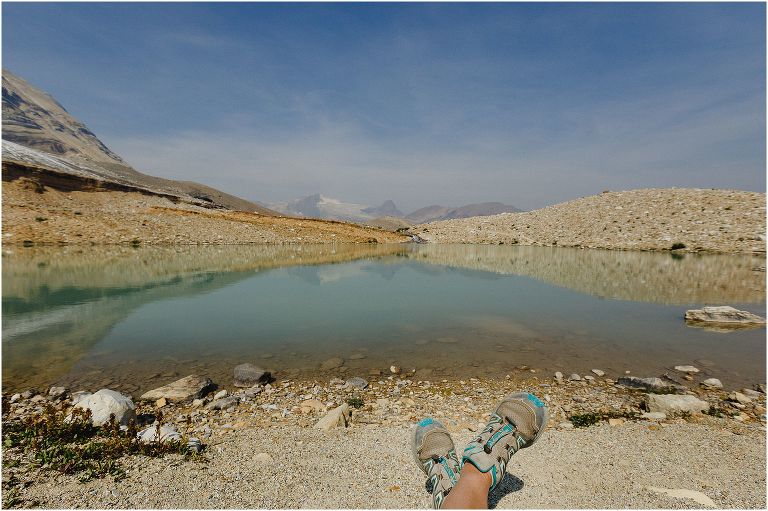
x,y
686,369
248,375
332,363
598,372
575,377
150,434
106,402
712,383
186,389
723,318
337,417
672,403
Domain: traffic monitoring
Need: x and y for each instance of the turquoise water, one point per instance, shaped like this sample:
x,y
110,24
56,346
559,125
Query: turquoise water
x,y
136,318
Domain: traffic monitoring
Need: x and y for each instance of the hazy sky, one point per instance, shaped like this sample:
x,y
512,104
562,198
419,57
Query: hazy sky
x,y
528,104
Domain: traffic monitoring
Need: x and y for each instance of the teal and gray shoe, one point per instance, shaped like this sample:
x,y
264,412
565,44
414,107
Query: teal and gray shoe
x,y
517,422
435,453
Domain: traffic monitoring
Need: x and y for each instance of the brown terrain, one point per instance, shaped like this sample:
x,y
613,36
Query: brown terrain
x,y
33,213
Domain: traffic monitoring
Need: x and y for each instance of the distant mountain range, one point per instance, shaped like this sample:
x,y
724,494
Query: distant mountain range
x,y
40,135
320,206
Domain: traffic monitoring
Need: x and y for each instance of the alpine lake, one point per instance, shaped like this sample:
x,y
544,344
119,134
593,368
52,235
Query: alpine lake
x,y
132,319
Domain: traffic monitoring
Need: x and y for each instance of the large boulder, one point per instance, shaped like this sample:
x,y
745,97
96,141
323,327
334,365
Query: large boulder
x,y
671,403
248,375
106,402
723,318
186,389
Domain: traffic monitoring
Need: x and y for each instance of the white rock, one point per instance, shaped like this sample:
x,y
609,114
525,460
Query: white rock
x,y
337,417
723,316
713,383
106,402
686,369
167,434
674,403
15,398
654,416
186,389
197,403
559,376
220,394
589,377
575,377
79,396
598,372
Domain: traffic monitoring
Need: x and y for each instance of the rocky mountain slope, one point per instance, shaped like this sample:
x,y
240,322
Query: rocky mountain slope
x,y
320,206
41,137
648,219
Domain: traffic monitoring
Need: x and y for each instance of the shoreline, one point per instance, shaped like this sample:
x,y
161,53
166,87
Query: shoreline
x,y
272,427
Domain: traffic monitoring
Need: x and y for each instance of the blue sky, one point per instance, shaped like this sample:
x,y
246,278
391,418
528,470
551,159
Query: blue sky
x,y
528,104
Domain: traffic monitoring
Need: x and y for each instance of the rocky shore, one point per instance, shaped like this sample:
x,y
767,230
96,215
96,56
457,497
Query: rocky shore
x,y
325,434
689,220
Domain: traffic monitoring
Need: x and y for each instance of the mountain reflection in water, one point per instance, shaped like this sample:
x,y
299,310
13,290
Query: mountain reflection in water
x,y
118,316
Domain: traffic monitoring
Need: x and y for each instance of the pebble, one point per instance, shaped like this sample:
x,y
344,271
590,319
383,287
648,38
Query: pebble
x,y
686,369
575,377
394,369
598,372
712,383
220,394
559,376
161,402
357,383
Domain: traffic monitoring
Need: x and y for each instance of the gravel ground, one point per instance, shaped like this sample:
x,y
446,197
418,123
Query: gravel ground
x,y
371,467
727,221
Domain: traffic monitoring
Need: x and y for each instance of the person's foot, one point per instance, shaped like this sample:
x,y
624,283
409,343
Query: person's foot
x,y
517,422
435,453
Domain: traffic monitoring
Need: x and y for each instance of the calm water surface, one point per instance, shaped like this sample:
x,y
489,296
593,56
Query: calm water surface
x,y
134,319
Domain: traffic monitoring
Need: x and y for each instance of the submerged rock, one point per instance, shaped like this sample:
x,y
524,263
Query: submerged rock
x,y
723,318
687,369
186,389
332,363
106,402
672,403
712,383
248,375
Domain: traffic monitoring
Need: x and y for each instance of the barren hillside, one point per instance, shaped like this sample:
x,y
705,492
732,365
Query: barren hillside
x,y
647,219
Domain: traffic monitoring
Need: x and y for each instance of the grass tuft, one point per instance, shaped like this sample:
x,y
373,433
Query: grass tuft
x,y
72,445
